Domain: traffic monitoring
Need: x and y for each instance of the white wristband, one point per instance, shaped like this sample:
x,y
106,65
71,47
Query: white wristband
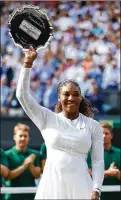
x,y
97,190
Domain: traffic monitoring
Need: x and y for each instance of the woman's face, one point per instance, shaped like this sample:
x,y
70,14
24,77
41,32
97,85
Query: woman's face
x,y
70,98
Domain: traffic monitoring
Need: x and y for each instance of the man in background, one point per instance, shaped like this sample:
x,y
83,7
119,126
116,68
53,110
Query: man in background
x,y
24,163
112,160
4,170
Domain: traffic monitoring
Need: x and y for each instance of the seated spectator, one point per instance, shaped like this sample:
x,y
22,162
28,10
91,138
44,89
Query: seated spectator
x,y
5,90
95,73
112,159
6,70
50,95
64,22
87,63
9,57
37,89
111,77
96,98
86,86
96,30
24,163
75,71
15,108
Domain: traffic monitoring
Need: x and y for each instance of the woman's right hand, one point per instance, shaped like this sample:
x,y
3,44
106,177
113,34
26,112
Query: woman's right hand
x,y
30,56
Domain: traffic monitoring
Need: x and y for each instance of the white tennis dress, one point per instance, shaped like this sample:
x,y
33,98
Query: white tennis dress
x,y
68,141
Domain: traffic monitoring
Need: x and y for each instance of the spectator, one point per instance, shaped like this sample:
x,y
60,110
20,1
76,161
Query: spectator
x,y
64,21
96,74
24,163
37,89
86,86
9,57
112,159
75,71
4,170
50,95
96,98
111,77
5,90
6,70
14,105
87,63
96,30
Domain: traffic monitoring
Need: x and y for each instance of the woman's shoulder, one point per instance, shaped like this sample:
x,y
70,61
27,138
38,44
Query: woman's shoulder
x,y
88,118
91,122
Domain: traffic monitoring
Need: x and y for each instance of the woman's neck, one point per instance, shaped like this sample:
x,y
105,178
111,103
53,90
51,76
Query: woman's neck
x,y
70,116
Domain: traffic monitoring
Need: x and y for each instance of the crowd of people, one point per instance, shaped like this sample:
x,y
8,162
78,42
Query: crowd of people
x,y
20,162
85,47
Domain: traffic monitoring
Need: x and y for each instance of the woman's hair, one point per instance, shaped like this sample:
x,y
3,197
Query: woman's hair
x,y
85,108
22,127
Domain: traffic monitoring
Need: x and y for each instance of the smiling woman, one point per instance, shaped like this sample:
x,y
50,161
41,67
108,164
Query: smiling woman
x,y
69,134
70,98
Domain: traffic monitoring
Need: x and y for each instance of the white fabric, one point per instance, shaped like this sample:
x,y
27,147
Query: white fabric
x,y
65,174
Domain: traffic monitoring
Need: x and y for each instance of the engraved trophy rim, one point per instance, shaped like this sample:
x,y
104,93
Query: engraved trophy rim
x,y
37,8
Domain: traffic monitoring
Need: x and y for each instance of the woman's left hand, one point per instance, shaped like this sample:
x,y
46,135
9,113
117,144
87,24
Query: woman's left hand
x,y
95,195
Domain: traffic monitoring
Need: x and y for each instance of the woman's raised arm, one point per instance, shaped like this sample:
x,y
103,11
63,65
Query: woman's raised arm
x,y
37,113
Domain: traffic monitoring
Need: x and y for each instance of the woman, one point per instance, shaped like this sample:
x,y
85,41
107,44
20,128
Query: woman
x,y
69,134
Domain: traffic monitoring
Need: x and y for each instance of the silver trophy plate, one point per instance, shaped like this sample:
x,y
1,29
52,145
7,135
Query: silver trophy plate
x,y
30,26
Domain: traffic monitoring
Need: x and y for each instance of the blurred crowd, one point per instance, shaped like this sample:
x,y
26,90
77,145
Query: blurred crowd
x,y
85,47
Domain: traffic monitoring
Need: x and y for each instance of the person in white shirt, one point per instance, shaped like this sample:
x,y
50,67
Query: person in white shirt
x,y
111,77
69,134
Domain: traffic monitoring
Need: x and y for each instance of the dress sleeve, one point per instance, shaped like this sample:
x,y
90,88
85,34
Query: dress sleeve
x,y
38,114
97,155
